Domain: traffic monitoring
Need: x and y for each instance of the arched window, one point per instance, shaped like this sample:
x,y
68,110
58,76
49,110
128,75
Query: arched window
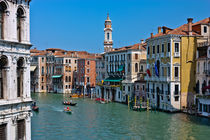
x,y
136,67
20,64
108,36
3,7
3,63
20,15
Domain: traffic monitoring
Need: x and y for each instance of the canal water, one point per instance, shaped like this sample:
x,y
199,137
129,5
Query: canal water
x,y
113,121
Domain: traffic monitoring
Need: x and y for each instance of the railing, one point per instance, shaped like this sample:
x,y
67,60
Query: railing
x,y
176,78
202,44
207,72
176,54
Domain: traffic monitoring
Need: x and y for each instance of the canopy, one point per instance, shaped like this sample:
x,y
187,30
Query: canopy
x,y
56,76
113,79
32,68
121,67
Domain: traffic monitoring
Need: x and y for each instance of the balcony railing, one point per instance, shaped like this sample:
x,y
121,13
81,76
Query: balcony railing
x,y
176,78
202,44
207,72
176,54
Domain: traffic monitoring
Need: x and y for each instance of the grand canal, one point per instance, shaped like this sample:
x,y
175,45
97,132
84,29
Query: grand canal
x,y
91,120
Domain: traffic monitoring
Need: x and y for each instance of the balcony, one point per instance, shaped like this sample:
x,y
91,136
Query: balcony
x,y
176,54
203,44
176,79
207,72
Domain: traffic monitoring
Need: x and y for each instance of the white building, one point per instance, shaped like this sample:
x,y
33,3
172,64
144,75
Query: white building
x,y
15,98
203,69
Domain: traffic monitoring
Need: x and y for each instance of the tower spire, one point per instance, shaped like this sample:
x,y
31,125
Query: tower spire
x,y
108,34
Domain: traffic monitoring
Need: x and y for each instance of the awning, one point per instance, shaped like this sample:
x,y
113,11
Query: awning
x,y
113,79
56,76
206,87
32,68
121,67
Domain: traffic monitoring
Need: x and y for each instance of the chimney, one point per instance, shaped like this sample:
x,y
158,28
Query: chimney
x,y
151,35
190,26
159,29
142,41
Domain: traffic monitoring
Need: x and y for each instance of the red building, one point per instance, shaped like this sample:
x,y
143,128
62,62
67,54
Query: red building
x,y
86,74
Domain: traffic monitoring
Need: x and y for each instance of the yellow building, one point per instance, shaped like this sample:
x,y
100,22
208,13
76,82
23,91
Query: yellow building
x,y
171,55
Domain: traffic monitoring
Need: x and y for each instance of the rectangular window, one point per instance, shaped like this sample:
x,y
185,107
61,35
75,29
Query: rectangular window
x,y
176,89
148,50
123,88
88,70
162,71
143,87
1,85
205,29
163,48
153,49
3,131
177,98
176,47
158,48
169,47
88,79
169,72
21,129
129,88
176,72
136,56
137,87
42,60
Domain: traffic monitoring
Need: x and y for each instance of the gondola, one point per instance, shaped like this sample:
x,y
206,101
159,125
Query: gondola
x,y
69,103
35,107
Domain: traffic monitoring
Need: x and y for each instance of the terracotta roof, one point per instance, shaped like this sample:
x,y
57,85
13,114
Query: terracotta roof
x,y
182,30
204,21
132,47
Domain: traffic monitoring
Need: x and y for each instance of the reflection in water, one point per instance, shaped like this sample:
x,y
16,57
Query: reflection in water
x,y
91,120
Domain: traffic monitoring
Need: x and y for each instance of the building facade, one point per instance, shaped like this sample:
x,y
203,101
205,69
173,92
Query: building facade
x,y
122,66
171,55
15,97
86,76
203,68
108,42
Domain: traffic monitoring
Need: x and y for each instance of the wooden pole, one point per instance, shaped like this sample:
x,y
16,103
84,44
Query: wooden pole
x,y
128,102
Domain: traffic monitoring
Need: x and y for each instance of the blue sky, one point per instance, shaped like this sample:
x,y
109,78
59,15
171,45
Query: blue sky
x,y
79,24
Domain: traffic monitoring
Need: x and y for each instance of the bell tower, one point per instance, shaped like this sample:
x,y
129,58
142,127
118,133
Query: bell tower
x,y
108,43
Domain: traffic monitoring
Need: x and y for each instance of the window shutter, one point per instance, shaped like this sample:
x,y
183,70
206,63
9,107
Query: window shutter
x,y
3,132
21,129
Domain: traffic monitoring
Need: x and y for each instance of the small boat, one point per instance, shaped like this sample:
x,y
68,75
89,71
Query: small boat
x,y
68,110
74,96
35,108
102,102
69,103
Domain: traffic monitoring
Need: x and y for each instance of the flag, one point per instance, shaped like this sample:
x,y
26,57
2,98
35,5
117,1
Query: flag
x,y
148,72
156,70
